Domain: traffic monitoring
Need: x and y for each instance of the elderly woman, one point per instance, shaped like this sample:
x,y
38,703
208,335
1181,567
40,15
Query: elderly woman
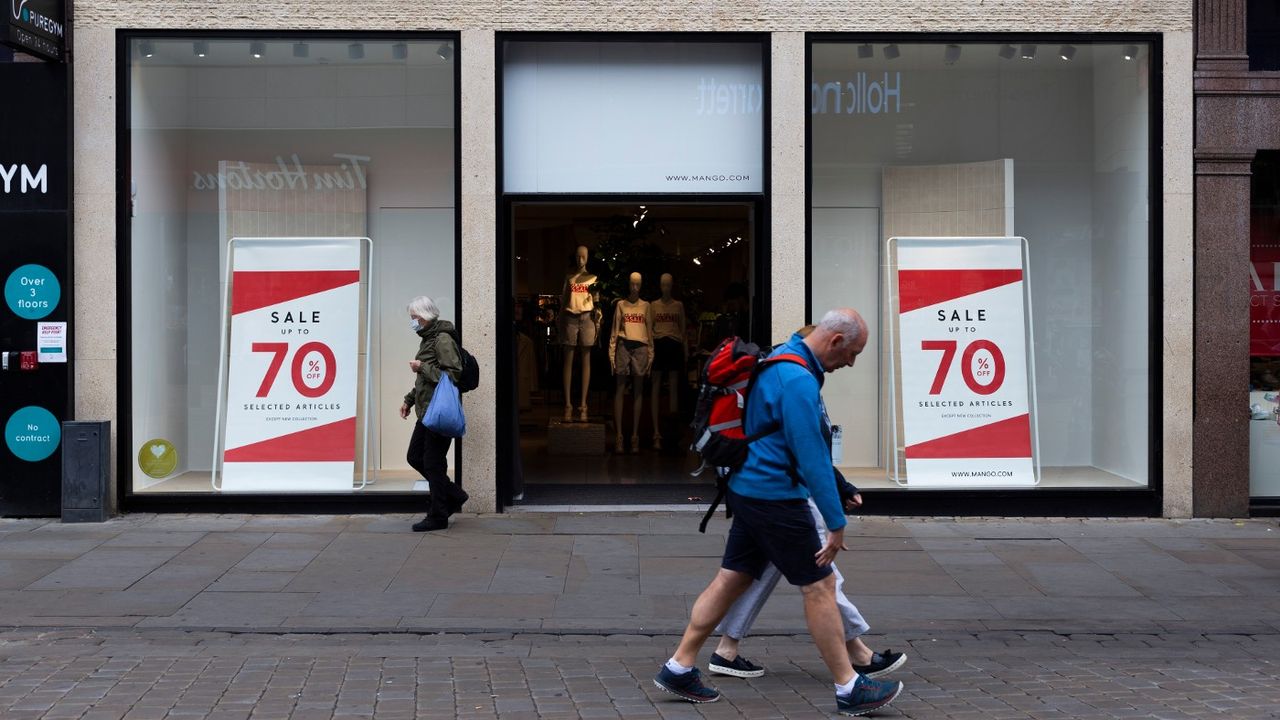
x,y
437,354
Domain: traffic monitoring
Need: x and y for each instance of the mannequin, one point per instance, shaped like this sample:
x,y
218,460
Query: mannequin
x,y
630,356
670,353
578,325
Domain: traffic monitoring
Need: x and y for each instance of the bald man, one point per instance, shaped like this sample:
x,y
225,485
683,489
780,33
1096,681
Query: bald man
x,y
771,519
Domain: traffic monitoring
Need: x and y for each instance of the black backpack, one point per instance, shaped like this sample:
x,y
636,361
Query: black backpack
x,y
469,377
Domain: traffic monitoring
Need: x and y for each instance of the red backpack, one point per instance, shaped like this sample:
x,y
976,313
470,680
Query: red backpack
x,y
720,439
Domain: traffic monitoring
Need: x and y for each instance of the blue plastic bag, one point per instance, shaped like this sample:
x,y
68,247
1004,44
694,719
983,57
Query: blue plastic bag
x,y
444,412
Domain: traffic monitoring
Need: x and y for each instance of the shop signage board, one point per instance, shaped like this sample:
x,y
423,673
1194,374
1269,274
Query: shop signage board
x,y
35,272
610,117
292,365
36,27
966,387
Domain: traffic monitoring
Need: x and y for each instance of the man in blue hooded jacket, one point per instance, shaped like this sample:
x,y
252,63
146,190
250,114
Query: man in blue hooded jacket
x,y
769,496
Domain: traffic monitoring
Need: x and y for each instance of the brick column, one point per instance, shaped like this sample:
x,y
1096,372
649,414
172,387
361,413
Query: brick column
x,y
1220,444
1221,42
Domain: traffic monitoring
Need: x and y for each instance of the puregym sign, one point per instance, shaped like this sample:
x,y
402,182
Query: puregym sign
x,y
35,235
23,179
36,27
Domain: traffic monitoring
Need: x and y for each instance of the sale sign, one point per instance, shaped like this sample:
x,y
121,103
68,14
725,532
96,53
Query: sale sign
x,y
962,340
291,385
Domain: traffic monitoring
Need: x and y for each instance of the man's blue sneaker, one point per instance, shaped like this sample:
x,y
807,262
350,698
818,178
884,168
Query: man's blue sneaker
x,y
687,686
867,695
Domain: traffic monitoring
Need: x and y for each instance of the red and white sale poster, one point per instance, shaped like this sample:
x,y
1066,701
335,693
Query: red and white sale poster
x,y
962,339
291,386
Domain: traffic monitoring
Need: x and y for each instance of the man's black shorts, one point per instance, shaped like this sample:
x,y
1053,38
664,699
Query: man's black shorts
x,y
773,531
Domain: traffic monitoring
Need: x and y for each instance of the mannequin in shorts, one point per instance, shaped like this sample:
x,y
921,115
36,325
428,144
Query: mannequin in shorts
x,y
670,352
578,321
630,356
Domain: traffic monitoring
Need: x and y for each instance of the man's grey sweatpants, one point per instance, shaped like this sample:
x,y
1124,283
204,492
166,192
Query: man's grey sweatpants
x,y
737,623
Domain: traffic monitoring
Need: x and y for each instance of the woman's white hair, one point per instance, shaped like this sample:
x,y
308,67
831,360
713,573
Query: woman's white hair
x,y
838,321
424,307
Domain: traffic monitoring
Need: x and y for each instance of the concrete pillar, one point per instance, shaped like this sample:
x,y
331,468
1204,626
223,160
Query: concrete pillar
x,y
789,100
479,257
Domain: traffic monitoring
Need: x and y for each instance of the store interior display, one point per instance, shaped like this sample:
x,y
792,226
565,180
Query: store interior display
x,y
930,144
665,283
580,320
670,352
630,357
281,145
1264,326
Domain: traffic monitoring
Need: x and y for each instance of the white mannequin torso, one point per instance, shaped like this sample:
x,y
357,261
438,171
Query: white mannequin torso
x,y
577,296
632,321
668,319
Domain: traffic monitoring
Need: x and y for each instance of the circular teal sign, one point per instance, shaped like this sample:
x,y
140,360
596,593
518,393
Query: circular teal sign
x,y
32,292
32,433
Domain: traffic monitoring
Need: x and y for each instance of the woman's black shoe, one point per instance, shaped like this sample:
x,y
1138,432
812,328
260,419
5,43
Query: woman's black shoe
x,y
429,523
455,505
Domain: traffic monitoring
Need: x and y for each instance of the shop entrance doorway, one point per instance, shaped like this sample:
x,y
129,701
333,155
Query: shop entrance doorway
x,y
617,304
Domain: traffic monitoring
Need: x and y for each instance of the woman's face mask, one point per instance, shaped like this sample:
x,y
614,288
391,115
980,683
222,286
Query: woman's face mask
x,y
414,325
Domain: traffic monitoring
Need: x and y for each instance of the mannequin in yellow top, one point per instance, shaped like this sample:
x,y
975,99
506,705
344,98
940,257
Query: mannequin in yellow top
x,y
578,322
670,352
630,356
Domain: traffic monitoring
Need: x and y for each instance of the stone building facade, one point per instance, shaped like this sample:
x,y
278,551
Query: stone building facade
x,y
1196,465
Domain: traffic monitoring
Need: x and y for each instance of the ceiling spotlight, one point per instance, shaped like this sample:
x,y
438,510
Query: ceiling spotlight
x,y
257,49
445,51
951,54
200,48
696,261
399,51
147,48
891,51
1028,52
865,51
1007,52
1130,52
355,51
301,50
1067,52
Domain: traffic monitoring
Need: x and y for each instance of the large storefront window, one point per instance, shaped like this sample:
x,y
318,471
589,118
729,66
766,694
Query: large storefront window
x,y
1264,328
1050,142
291,137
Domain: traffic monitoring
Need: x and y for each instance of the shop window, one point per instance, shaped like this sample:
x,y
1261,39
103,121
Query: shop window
x,y
1264,328
1049,141
297,136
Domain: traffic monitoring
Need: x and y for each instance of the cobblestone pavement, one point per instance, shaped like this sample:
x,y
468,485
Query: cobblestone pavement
x,y
153,674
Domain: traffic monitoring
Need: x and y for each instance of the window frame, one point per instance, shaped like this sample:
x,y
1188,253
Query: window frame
x,y
1118,501
354,501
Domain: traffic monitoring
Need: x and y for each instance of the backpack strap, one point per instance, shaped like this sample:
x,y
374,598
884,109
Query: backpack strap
x,y
715,504
760,368
774,360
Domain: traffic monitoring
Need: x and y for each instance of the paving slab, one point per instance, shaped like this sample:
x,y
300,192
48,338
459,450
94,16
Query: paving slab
x,y
356,560
106,569
16,574
594,572
234,609
149,538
